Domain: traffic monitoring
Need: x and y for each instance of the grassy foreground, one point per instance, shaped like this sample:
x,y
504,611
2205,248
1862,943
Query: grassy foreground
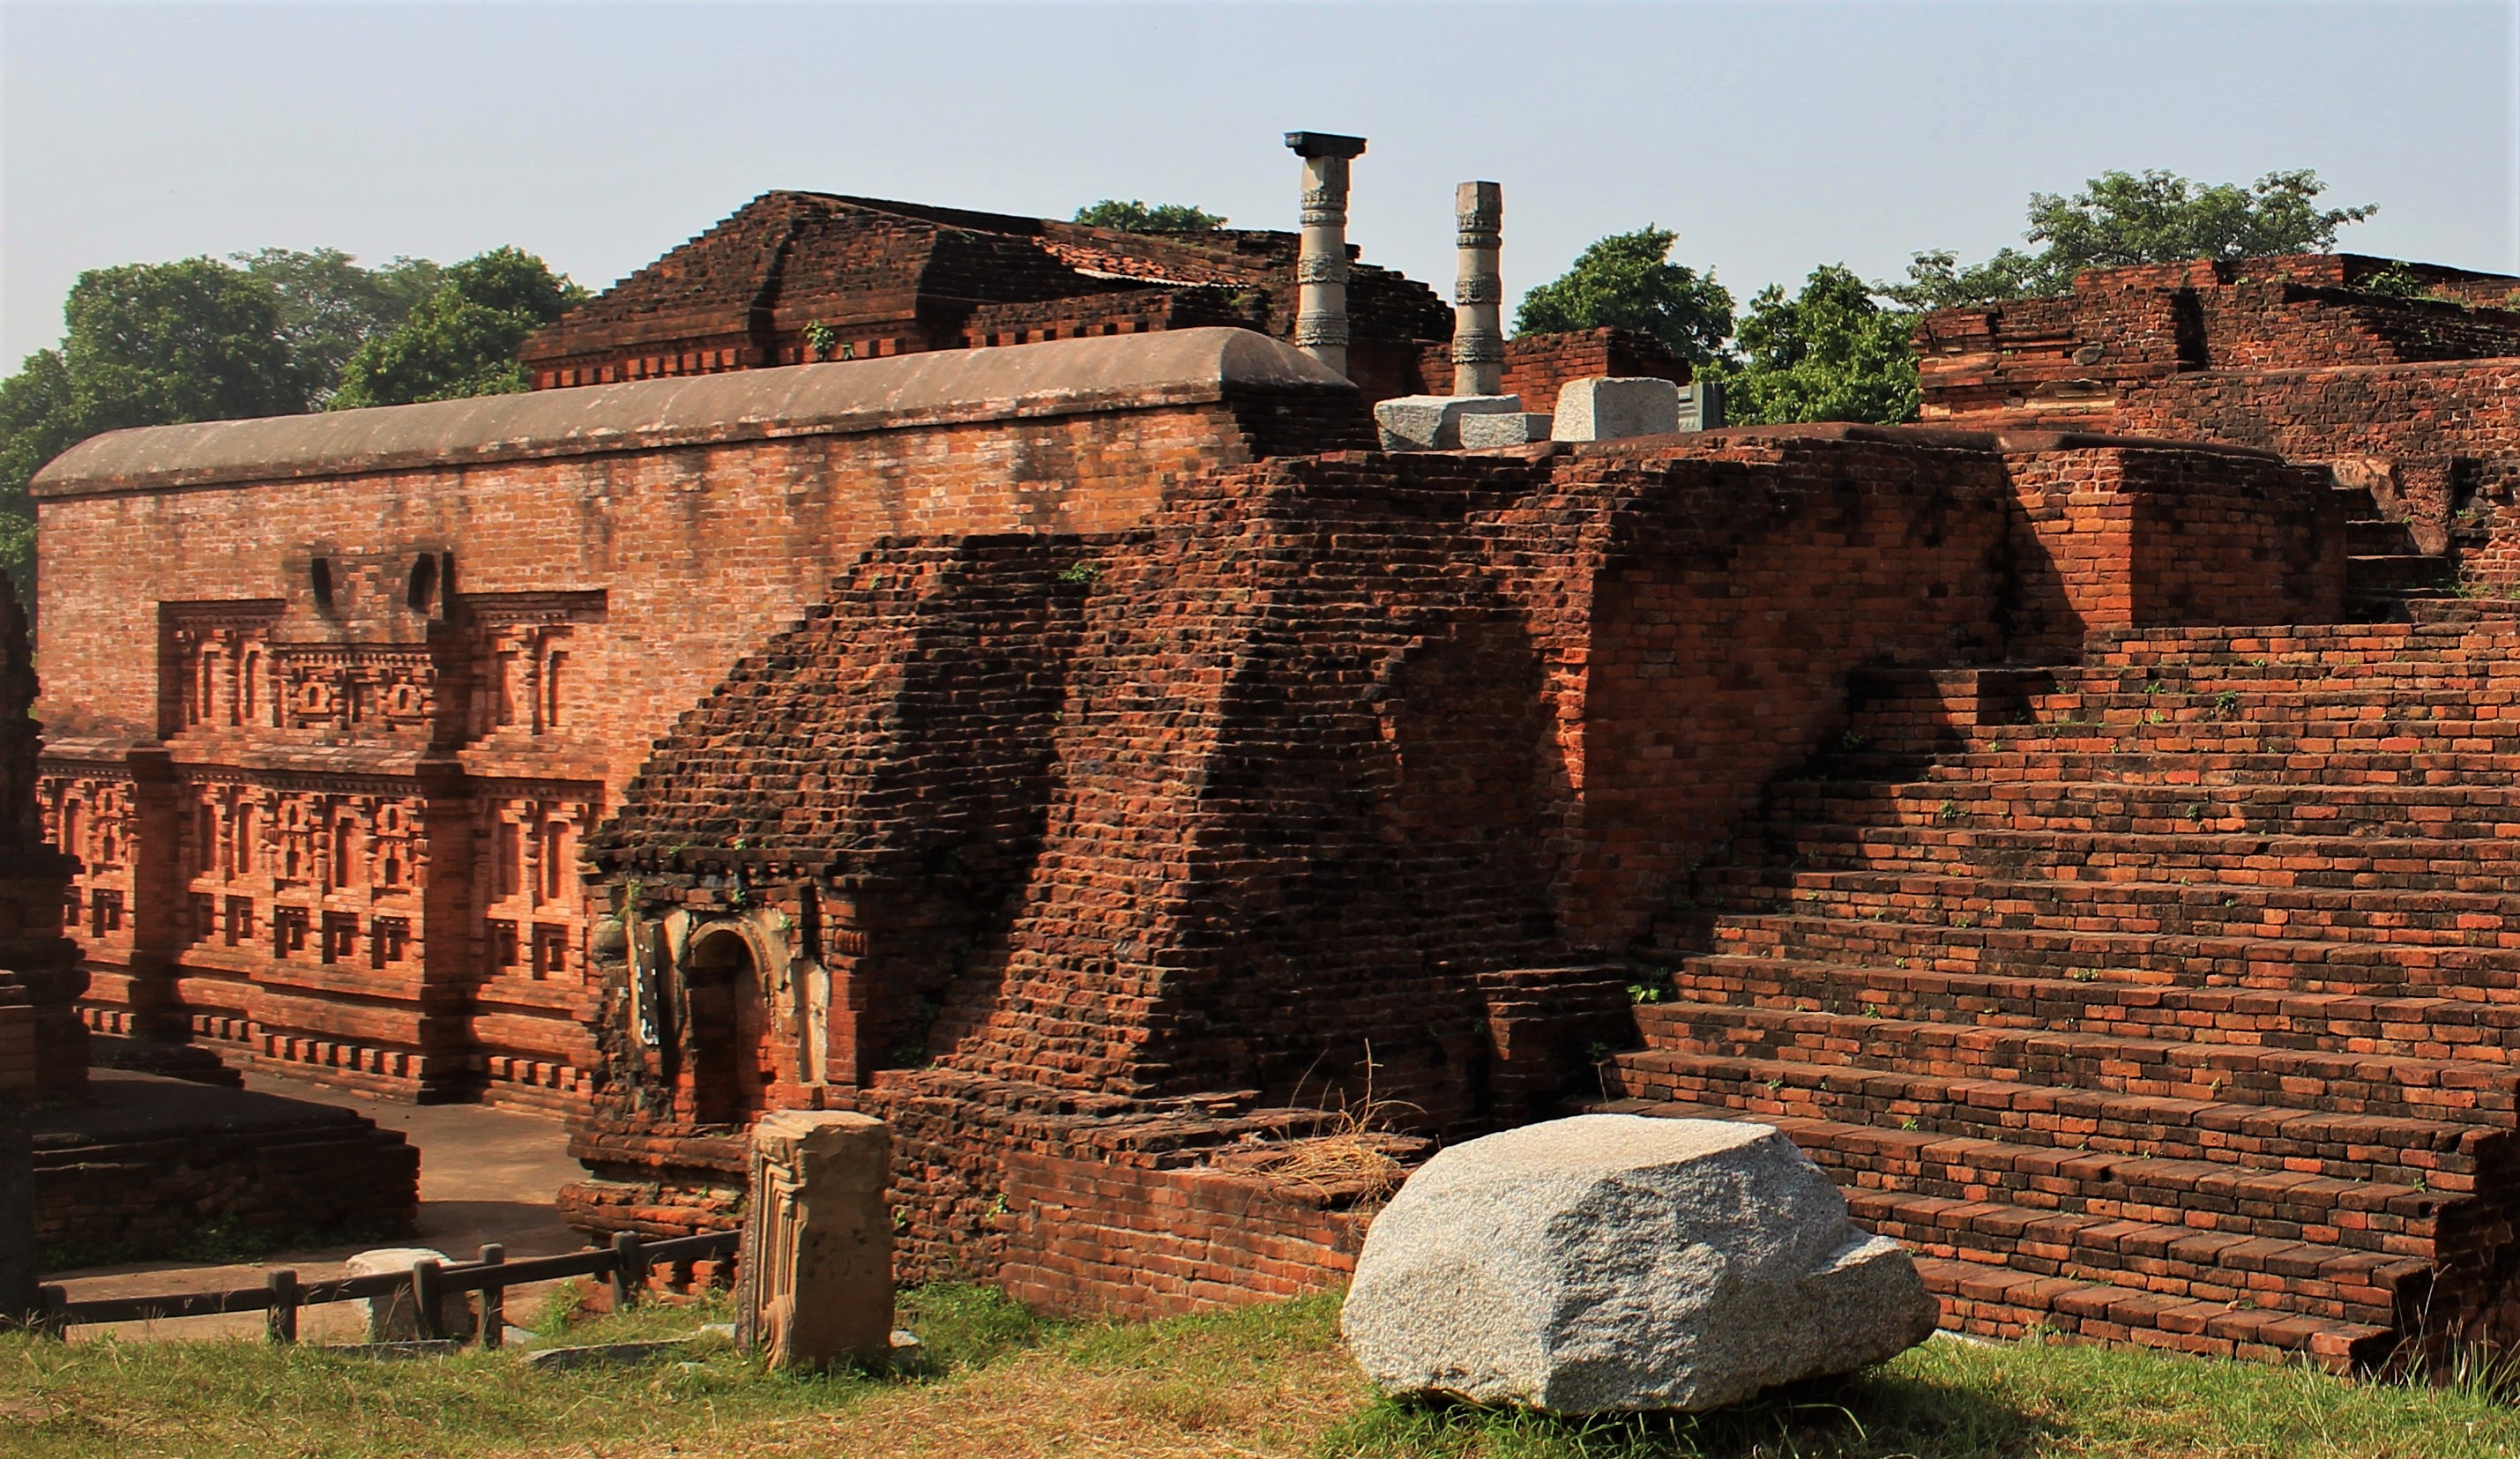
x,y
1266,1381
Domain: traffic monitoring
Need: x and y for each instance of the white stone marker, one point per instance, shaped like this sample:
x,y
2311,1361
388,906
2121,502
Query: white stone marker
x,y
1610,407
394,1320
1510,428
1613,1262
1433,422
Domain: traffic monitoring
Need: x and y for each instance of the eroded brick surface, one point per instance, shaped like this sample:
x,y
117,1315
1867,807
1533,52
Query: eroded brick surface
x,y
1090,861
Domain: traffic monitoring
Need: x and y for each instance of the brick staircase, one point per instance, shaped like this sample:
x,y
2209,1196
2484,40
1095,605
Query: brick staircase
x,y
2384,566
2172,998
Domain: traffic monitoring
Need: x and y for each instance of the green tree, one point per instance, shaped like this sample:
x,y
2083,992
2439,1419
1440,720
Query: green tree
x,y
1628,281
1827,353
151,344
1133,216
462,339
329,305
148,344
2123,218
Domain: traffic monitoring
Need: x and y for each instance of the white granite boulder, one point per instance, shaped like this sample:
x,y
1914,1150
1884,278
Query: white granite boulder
x,y
1613,1262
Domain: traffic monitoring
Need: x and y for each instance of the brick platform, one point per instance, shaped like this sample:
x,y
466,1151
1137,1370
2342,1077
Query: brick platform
x,y
1087,862
141,1164
2408,398
333,699
2164,997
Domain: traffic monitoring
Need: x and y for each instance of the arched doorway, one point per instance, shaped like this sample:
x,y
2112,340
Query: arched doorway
x,y
730,1026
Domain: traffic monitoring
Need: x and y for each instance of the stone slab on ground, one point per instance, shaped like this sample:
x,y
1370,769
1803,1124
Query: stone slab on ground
x,y
1611,408
1433,422
1480,432
1614,1262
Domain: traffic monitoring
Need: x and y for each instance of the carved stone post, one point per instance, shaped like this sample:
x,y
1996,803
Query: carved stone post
x,y
1321,267
1478,290
814,1284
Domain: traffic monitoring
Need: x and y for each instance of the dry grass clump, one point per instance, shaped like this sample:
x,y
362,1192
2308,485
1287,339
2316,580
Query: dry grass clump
x,y
1353,1152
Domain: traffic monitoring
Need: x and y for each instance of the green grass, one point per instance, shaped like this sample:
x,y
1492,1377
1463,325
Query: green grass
x,y
1955,1400
1263,1380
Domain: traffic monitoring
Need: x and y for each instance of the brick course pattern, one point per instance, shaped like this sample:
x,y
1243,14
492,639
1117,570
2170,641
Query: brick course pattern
x,y
2160,999
886,277
2408,398
1088,862
333,700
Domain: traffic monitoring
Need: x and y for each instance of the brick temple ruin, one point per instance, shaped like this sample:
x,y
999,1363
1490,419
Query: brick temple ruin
x,y
978,672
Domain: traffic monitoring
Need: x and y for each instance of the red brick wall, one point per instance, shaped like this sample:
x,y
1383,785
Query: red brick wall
x,y
1538,366
2438,443
444,948
2411,398
2113,537
1094,1237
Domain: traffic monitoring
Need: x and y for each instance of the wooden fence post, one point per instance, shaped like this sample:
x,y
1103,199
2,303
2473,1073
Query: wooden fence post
x,y
53,1312
424,1297
629,1270
494,1299
279,1321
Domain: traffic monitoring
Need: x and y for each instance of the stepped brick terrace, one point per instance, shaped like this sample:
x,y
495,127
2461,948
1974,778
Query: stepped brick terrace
x,y
2077,819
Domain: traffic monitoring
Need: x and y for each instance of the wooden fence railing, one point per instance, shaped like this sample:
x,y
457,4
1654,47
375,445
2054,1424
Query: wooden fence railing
x,y
627,1262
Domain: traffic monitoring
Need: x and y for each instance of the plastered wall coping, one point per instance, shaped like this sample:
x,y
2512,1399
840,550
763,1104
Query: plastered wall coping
x,y
1057,378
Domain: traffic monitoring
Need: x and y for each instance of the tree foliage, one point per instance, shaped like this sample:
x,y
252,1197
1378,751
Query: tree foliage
x,y
2123,218
462,339
1128,215
271,333
329,305
1628,281
1830,352
189,340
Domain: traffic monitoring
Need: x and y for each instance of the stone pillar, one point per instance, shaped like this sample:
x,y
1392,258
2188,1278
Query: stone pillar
x,y
1321,268
814,1284
1478,289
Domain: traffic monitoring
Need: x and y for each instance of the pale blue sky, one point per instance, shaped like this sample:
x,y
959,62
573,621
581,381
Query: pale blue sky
x,y
1772,134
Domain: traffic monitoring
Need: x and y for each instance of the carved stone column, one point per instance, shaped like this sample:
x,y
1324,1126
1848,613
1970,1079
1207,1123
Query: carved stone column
x,y
1478,290
1321,267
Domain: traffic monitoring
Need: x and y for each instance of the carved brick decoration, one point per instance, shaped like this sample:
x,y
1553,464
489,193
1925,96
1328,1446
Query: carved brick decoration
x,y
333,823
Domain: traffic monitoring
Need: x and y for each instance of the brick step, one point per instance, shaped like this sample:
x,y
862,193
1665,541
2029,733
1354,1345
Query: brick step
x,y
2097,1001
2378,536
2316,701
2318,643
2384,908
2203,735
2333,863
2224,1269
2042,761
2397,573
2441,1154
2396,1087
2381,1218
2379,811
2427,919
2000,1303
2482,974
